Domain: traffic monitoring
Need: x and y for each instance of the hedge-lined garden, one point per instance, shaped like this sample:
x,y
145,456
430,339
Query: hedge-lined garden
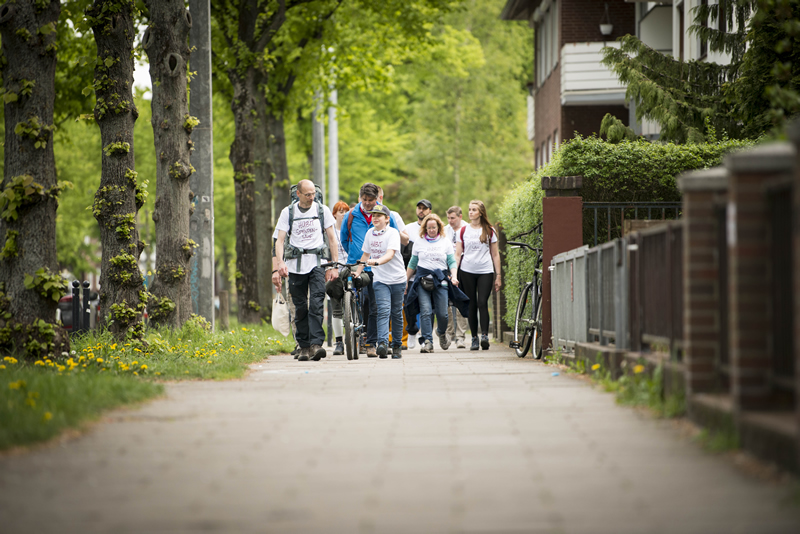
x,y
629,171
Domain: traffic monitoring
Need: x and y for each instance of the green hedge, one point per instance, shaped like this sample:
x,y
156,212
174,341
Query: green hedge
x,y
629,171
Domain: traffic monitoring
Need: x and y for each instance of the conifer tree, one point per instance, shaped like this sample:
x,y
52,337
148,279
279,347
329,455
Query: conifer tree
x,y
756,92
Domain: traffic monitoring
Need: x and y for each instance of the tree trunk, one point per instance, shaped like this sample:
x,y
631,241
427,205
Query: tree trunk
x,y
29,282
263,189
242,156
278,162
166,44
120,196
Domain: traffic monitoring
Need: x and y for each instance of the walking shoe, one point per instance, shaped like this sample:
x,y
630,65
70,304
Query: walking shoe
x,y
427,346
296,351
362,347
443,343
474,343
412,342
302,354
404,347
485,342
317,352
338,350
382,350
460,343
371,353
397,353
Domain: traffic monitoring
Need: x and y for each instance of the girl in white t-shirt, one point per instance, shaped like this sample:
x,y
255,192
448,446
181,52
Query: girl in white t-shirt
x,y
479,269
381,251
432,250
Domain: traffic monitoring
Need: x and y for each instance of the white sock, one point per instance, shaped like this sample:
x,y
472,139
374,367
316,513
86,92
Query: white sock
x,y
337,327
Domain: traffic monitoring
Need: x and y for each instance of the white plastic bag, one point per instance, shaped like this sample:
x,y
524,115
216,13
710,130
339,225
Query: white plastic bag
x,y
280,316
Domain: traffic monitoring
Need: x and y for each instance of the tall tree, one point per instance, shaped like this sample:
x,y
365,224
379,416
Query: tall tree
x,y
758,90
120,195
166,44
30,285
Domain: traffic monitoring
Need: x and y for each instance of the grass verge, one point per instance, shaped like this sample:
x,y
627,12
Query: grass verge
x,y
40,399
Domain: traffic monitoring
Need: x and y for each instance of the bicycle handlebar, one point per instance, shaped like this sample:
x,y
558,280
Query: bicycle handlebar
x,y
337,264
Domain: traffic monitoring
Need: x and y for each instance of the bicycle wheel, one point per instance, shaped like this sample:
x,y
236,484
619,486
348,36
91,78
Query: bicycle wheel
x,y
537,330
350,343
522,323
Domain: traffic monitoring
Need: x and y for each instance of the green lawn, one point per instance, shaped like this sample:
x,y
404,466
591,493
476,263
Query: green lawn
x,y
39,399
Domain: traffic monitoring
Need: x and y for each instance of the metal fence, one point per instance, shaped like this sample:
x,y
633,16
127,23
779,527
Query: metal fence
x,y
628,292
604,221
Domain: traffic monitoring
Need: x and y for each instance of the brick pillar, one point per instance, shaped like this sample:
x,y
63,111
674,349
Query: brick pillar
x,y
703,193
794,134
562,218
748,245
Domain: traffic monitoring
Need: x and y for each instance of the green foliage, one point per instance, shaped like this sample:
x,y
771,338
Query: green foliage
x,y
189,123
124,225
47,284
24,34
631,171
10,248
125,315
35,131
159,308
758,91
117,149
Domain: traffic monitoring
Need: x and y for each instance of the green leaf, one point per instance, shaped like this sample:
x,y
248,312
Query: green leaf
x,y
28,281
87,90
109,61
10,97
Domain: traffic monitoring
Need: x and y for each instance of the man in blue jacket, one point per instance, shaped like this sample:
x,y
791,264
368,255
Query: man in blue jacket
x,y
354,229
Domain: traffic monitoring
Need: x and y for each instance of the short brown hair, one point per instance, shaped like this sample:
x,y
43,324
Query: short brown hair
x,y
423,227
456,210
368,189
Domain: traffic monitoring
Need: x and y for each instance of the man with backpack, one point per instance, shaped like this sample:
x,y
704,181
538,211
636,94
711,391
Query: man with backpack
x,y
354,229
309,225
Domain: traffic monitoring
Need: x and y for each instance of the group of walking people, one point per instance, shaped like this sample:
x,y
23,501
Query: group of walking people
x,y
409,275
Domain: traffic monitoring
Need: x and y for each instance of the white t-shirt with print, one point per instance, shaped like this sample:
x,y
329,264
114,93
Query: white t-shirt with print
x,y
306,234
477,257
433,254
377,245
451,234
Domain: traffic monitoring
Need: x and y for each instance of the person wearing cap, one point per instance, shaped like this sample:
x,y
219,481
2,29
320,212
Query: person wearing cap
x,y
381,251
352,239
424,208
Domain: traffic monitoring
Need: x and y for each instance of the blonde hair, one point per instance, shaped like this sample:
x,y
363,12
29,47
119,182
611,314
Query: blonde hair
x,y
488,231
424,226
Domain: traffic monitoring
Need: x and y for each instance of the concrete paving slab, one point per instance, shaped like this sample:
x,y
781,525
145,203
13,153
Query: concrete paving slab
x,y
454,441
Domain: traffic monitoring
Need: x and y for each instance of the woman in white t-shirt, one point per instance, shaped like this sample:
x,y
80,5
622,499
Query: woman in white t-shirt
x,y
479,269
432,250
381,251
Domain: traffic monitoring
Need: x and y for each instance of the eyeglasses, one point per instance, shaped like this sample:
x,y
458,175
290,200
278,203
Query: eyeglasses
x,y
309,195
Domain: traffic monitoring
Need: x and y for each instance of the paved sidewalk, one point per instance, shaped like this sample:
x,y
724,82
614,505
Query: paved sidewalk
x,y
454,441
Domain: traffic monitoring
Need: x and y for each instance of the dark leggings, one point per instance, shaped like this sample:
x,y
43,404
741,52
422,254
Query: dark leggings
x,y
477,287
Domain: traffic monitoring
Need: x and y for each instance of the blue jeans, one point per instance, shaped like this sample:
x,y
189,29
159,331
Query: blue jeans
x,y
389,298
430,302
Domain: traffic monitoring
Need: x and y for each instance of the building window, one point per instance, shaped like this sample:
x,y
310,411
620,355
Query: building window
x,y
546,19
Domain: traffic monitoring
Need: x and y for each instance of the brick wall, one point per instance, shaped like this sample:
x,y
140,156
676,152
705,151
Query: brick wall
x,y
703,194
580,20
586,119
749,281
548,108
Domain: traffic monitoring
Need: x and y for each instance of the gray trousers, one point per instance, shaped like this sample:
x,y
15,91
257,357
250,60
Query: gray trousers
x,y
458,328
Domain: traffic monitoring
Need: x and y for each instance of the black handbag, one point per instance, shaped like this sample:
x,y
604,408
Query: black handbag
x,y
427,282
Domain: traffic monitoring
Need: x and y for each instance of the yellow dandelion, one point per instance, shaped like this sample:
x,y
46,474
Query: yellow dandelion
x,y
46,417
10,359
143,367
2,366
638,369
209,361
595,367
137,374
113,347
38,362
158,373
99,360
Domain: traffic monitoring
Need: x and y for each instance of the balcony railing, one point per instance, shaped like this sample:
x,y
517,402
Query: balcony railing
x,y
584,80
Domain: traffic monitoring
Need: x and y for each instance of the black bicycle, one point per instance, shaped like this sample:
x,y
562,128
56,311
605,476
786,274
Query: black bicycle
x,y
353,320
528,318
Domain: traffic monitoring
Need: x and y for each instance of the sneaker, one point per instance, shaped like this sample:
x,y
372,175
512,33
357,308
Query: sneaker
x,y
397,353
382,350
460,343
412,342
404,347
443,342
427,346
302,354
338,350
485,342
296,351
371,352
474,343
362,347
317,352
